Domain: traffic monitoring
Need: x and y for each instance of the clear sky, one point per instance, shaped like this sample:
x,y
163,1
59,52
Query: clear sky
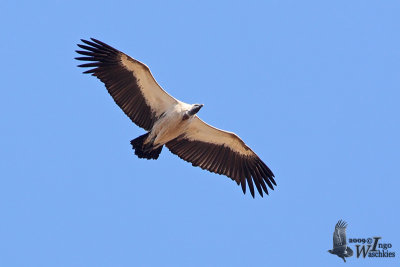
x,y
313,87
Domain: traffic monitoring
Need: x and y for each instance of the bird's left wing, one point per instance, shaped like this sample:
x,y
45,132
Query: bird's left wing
x,y
129,82
339,236
224,153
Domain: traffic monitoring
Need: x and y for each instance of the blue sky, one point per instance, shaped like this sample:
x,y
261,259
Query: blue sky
x,y
311,86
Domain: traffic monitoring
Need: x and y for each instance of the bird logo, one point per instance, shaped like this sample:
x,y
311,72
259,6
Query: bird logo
x,y
340,247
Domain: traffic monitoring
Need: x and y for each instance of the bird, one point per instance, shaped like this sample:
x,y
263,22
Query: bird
x,y
340,247
170,122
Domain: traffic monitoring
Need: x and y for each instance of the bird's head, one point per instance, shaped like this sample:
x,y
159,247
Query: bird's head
x,y
330,251
195,108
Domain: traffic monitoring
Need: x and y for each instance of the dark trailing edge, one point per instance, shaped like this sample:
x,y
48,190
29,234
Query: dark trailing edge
x,y
222,160
122,85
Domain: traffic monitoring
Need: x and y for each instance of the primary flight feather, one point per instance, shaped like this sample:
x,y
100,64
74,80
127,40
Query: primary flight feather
x,y
171,122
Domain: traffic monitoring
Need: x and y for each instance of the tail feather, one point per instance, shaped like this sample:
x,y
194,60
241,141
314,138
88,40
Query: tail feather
x,y
145,151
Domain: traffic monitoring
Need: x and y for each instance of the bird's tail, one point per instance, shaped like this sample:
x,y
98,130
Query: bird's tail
x,y
349,252
145,151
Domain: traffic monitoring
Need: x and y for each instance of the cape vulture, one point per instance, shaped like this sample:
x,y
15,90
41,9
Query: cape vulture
x,y
171,122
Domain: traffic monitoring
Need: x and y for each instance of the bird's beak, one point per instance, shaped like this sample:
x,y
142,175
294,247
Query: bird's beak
x,y
195,109
200,106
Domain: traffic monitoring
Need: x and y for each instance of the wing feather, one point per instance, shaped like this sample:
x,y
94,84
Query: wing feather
x,y
129,82
258,179
339,235
224,153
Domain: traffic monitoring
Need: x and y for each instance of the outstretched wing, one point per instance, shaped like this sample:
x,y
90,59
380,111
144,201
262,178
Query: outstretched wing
x,y
129,82
339,236
224,153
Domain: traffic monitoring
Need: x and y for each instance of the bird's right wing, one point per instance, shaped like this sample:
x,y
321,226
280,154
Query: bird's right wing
x,y
129,82
339,236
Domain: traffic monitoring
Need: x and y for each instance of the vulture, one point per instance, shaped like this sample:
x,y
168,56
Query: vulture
x,y
171,122
340,247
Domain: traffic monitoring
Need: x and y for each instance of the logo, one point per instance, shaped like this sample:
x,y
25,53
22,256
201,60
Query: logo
x,y
371,247
340,247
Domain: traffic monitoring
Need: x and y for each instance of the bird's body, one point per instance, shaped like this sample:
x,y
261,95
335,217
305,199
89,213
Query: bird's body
x,y
174,122
170,125
171,122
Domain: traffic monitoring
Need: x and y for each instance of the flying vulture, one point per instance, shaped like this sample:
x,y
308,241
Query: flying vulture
x,y
340,247
171,122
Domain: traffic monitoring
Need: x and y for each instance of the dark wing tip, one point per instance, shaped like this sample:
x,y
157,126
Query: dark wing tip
x,y
271,178
243,184
250,184
101,43
97,54
255,173
341,224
